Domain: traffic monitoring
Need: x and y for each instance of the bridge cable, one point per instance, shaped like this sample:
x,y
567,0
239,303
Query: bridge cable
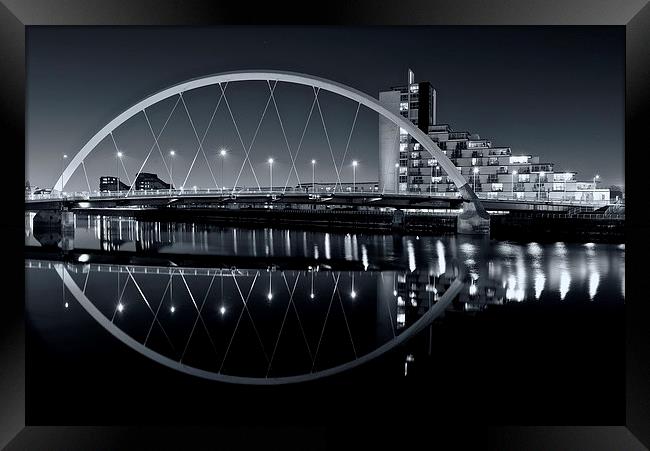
x,y
245,308
86,174
247,152
149,306
338,176
162,298
354,122
122,161
196,320
345,317
214,112
146,116
299,320
284,319
277,111
304,130
200,141
151,149
336,283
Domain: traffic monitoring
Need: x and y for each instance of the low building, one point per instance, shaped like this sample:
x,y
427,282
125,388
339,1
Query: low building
x,y
150,181
110,183
144,181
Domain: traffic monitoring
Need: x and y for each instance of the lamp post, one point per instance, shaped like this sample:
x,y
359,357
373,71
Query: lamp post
x,y
65,157
117,171
475,174
512,182
271,173
222,154
431,180
539,185
313,176
596,177
354,175
171,170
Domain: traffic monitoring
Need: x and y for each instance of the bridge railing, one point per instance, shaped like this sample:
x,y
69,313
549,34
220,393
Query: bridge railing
x,y
242,191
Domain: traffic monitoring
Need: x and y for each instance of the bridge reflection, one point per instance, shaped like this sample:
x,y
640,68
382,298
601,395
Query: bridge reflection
x,y
277,305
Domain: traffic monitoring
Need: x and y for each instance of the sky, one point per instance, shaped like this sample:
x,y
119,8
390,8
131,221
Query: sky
x,y
556,92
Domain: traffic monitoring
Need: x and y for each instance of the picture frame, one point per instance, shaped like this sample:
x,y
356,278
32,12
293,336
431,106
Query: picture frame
x,y
634,15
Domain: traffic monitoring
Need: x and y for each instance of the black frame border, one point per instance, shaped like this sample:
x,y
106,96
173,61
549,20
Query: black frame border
x,y
16,15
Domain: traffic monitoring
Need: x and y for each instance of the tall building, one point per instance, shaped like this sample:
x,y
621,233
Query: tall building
x,y
494,172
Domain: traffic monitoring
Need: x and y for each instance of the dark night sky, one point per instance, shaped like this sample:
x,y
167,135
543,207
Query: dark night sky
x,y
557,92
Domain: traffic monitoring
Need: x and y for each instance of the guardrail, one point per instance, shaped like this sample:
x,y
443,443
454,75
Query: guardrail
x,y
216,192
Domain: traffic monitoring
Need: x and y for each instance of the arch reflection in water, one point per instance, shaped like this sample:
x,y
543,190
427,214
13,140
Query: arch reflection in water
x,y
181,318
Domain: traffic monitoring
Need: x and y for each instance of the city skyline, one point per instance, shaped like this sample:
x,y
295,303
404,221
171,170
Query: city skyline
x,y
97,78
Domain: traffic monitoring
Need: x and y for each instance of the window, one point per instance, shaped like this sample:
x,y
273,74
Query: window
x,y
403,147
414,88
562,176
519,159
497,187
558,186
524,177
403,106
474,160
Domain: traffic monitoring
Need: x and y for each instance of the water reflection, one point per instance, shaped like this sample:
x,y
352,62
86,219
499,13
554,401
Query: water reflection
x,y
269,304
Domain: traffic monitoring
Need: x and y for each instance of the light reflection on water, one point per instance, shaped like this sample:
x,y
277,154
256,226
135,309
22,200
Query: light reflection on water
x,y
372,286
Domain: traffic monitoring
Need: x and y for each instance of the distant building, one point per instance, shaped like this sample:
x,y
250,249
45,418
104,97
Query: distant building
x,y
492,171
110,183
149,181
144,181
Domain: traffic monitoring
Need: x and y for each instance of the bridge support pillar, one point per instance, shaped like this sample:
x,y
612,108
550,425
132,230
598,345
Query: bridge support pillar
x,y
474,220
67,230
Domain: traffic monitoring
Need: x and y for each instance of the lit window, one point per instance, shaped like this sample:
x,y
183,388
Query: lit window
x,y
403,106
497,187
415,87
519,159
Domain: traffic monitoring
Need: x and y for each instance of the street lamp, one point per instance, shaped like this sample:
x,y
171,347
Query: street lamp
x,y
313,175
222,153
171,170
354,175
431,179
539,185
475,174
596,177
117,171
271,173
396,177
512,182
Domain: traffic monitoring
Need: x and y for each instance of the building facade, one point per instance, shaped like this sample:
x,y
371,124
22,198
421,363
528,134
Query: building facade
x,y
494,172
144,181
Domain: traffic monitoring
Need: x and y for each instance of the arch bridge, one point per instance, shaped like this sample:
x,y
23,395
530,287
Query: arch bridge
x,y
473,219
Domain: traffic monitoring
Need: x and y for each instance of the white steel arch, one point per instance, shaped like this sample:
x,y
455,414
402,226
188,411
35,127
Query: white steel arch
x,y
271,75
